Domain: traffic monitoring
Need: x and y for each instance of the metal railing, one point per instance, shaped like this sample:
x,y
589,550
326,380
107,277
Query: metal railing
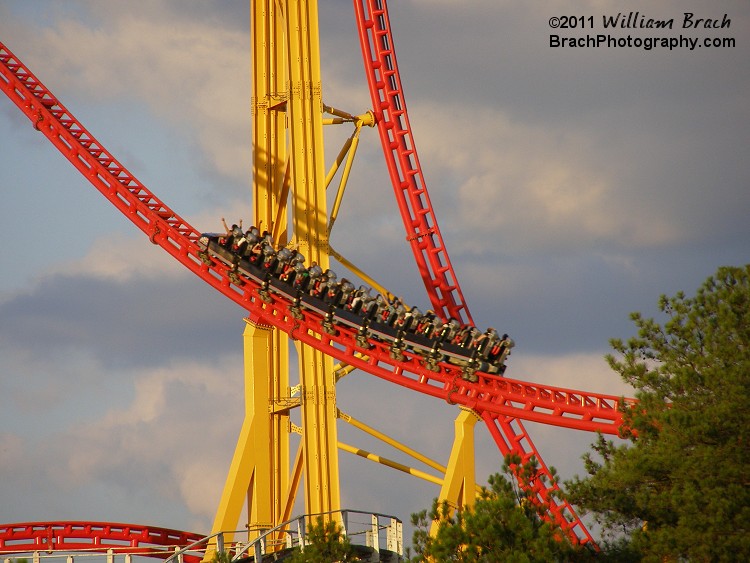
x,y
380,534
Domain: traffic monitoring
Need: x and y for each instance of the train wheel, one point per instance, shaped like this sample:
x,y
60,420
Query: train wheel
x,y
469,374
362,341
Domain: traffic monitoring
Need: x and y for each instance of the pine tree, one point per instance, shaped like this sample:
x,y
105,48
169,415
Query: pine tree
x,y
506,524
325,543
678,490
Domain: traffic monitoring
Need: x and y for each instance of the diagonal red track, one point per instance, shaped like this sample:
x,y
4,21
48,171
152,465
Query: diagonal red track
x,y
389,107
423,234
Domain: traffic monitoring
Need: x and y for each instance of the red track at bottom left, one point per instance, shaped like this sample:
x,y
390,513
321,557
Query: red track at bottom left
x,y
149,541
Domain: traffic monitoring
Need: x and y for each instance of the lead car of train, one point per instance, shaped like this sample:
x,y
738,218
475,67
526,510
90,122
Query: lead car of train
x,y
337,301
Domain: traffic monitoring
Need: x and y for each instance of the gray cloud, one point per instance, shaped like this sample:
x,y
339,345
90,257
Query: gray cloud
x,y
143,322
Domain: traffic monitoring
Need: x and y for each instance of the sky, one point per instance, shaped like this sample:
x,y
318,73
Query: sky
x,y
572,186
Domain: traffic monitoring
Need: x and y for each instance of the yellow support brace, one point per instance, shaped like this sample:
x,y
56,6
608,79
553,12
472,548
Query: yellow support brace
x,y
459,487
287,111
310,224
249,473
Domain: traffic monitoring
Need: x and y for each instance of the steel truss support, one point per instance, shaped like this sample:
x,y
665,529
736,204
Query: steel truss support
x,y
459,486
310,229
258,472
287,161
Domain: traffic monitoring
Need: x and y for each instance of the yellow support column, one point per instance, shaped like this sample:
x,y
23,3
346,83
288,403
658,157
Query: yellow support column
x,y
459,486
310,223
248,476
266,381
288,153
266,498
269,97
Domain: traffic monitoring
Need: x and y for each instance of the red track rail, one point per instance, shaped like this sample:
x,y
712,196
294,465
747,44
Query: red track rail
x,y
499,401
149,541
422,229
389,107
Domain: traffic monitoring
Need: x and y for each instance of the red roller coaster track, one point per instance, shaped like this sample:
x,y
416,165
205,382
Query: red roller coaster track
x,y
501,402
149,541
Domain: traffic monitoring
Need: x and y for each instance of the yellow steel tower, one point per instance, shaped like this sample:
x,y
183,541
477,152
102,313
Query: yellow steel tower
x,y
288,165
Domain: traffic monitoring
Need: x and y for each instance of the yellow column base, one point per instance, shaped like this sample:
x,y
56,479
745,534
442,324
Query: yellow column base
x,y
459,486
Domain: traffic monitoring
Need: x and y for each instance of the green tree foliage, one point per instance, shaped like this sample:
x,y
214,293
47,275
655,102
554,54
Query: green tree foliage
x,y
325,543
678,490
221,557
505,524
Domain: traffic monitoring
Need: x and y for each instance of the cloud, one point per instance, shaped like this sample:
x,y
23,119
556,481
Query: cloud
x,y
585,372
11,447
194,76
159,443
200,482
533,188
121,259
119,311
